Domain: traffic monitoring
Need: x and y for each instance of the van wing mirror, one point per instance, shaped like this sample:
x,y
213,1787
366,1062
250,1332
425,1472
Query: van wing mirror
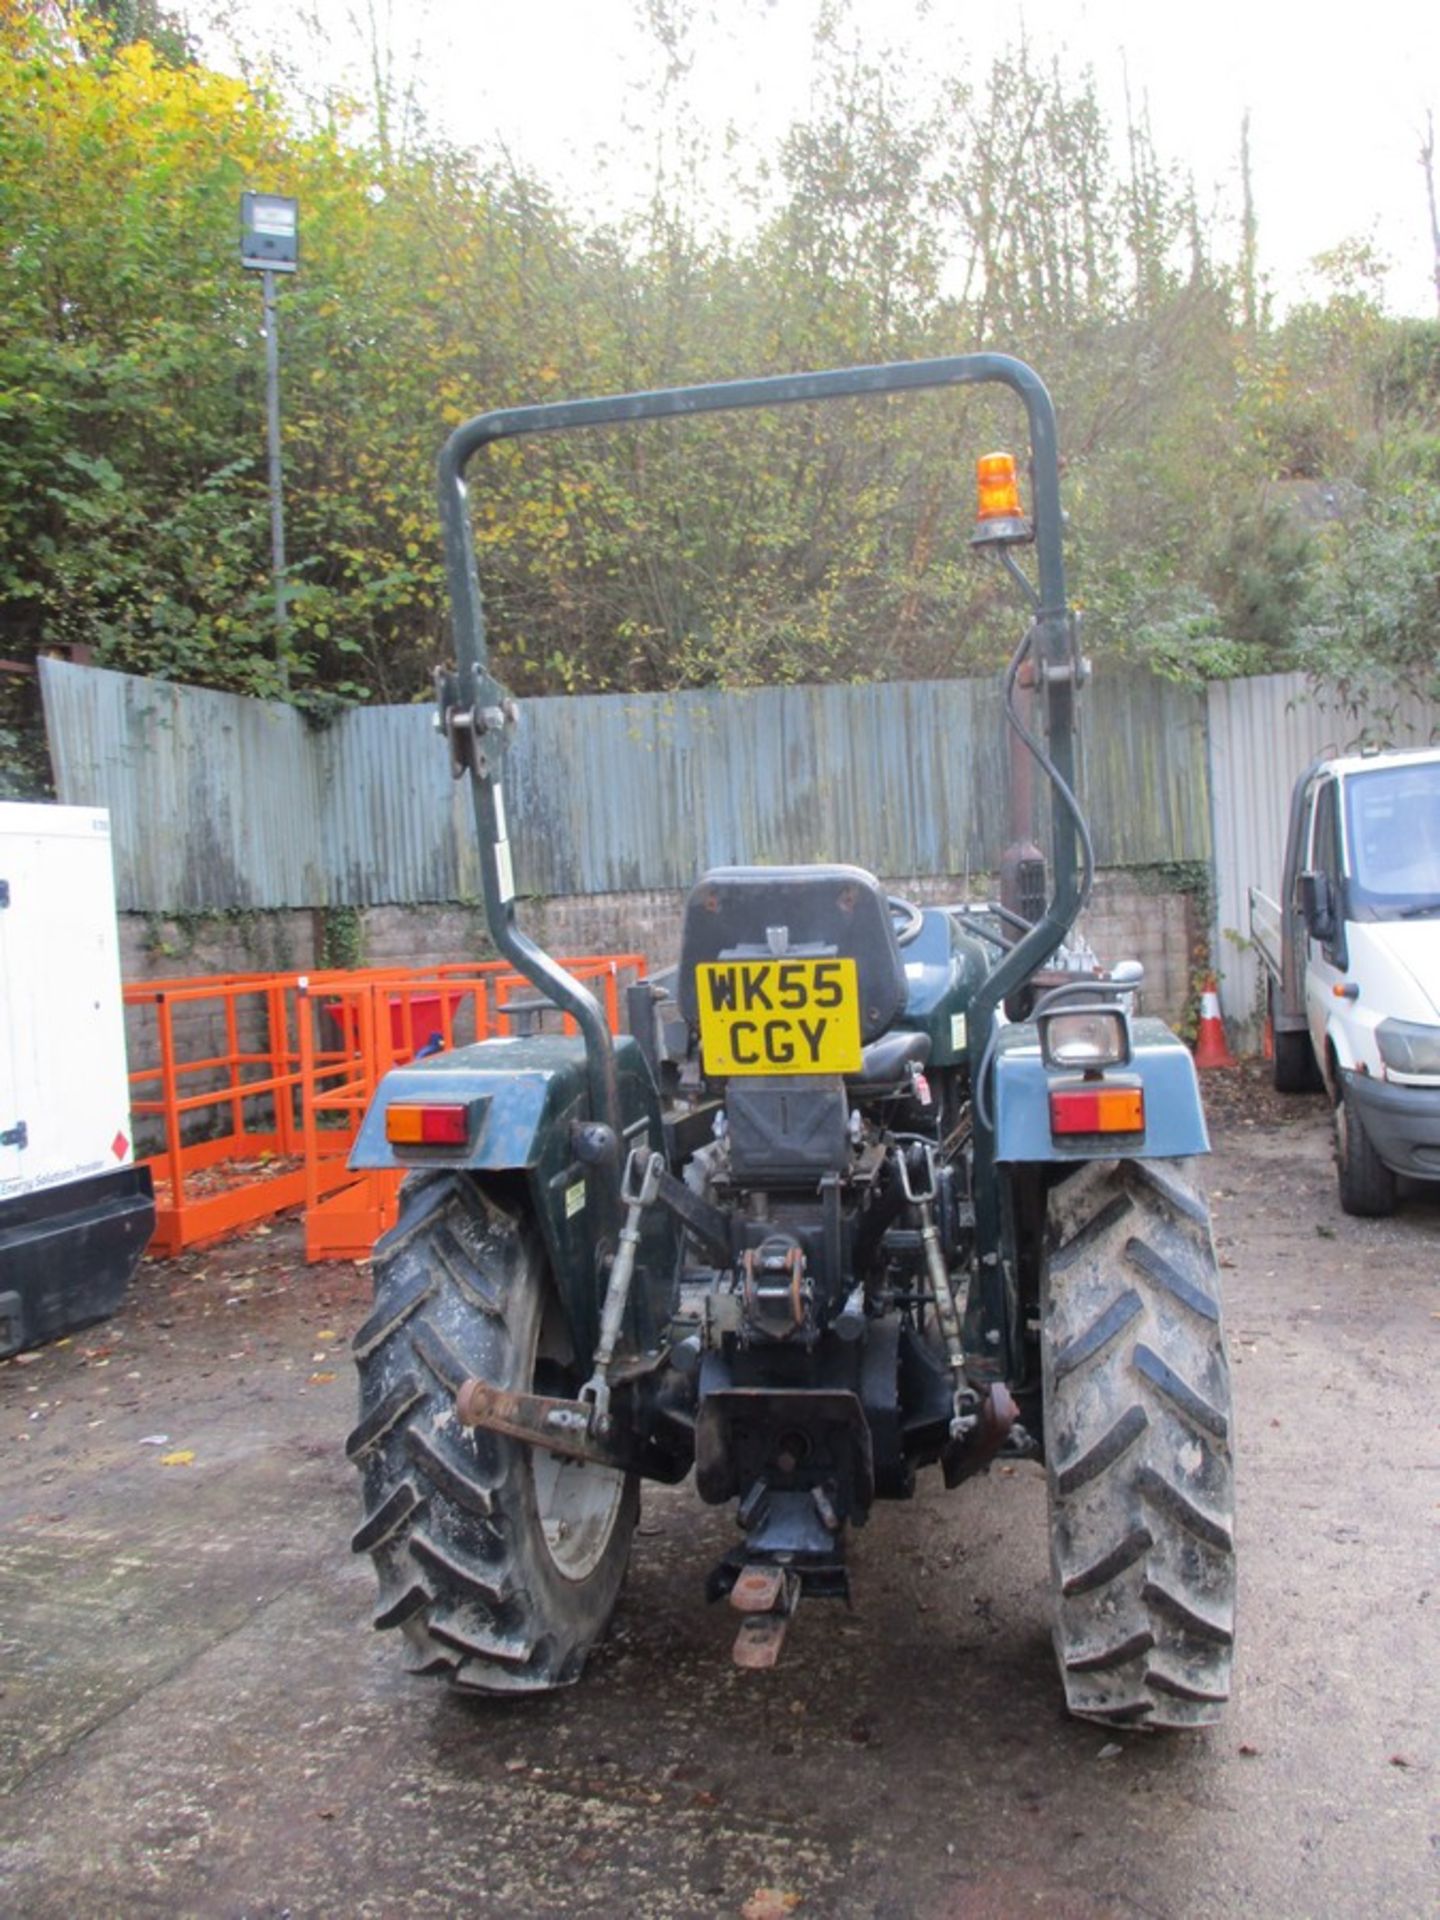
x,y
1317,907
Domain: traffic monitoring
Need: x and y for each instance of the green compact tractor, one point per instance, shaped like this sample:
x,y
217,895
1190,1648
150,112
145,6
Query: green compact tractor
x,y
868,1188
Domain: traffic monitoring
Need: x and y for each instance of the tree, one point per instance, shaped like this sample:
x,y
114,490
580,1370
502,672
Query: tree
x,y
994,208
1427,161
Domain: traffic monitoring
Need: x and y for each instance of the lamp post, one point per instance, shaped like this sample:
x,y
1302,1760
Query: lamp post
x,y
270,244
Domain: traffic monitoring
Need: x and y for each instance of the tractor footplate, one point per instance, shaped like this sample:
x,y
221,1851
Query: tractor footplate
x,y
767,1596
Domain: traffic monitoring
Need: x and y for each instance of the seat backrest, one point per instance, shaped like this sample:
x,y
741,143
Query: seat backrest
x,y
745,912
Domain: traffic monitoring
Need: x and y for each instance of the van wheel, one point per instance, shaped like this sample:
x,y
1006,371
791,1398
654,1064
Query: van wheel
x,y
1293,1067
1367,1186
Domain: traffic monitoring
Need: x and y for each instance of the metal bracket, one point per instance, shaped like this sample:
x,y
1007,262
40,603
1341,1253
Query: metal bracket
x,y
557,1426
16,1136
971,1451
467,729
1077,669
709,1224
563,1427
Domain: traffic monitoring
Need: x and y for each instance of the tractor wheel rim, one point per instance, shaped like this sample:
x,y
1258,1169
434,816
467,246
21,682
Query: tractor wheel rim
x,y
578,1505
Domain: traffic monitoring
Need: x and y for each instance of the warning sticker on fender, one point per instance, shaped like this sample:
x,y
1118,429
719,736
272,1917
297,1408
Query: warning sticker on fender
x,y
779,1016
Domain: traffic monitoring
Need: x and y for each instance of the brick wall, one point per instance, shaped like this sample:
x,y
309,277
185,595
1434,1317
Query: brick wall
x,y
1127,919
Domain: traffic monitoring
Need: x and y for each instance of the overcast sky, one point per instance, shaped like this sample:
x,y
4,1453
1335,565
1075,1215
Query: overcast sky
x,y
1337,93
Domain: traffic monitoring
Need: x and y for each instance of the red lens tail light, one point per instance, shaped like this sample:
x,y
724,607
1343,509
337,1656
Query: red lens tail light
x,y
1096,1110
441,1124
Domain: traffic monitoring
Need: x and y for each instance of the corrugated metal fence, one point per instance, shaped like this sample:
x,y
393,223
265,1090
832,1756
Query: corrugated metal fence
x,y
219,801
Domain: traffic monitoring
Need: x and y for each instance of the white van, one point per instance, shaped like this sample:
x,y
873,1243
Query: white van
x,y
1353,951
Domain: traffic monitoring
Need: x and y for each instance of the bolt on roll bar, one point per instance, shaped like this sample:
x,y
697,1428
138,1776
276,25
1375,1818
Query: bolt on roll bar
x,y
478,718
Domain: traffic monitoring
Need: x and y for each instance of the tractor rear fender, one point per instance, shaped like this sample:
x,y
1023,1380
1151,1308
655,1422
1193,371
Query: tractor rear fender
x,y
1160,1065
527,1102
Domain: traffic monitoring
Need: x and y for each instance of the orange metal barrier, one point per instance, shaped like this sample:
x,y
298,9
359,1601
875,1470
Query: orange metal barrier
x,y
382,1020
219,1076
258,1083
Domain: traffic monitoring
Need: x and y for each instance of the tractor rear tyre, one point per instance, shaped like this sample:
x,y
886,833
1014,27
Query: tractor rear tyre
x,y
1368,1188
499,1564
1138,1431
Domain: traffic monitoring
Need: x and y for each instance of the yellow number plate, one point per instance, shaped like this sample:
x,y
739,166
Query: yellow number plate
x,y
779,1016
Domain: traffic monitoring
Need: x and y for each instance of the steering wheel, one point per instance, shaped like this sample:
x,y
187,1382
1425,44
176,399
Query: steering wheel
x,y
905,917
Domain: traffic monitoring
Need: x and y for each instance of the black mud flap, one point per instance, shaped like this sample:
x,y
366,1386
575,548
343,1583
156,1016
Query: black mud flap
x,y
67,1254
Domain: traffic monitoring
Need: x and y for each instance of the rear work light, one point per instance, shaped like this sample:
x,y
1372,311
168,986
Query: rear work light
x,y
1087,1038
444,1124
1096,1110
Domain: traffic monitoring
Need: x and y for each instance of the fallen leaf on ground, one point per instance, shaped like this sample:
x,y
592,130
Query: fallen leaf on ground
x,y
320,1379
184,1458
769,1903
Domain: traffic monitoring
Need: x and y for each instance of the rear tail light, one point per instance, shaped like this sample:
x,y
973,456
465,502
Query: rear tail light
x,y
1096,1109
439,1124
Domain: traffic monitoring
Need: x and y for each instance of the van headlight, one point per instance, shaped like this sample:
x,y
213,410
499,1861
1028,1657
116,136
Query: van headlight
x,y
1408,1048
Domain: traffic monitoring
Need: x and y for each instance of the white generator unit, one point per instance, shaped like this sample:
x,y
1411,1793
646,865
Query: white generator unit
x,y
75,1212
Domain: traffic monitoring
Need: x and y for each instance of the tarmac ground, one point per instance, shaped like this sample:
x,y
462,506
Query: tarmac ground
x,y
196,1717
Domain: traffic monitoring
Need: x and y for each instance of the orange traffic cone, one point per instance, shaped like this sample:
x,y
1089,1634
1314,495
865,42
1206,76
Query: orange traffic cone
x,y
1210,1047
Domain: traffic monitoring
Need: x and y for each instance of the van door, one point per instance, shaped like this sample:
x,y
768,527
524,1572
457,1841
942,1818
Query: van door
x,y
1325,962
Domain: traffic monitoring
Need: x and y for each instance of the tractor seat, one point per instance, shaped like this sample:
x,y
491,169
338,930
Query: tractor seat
x,y
886,1061
745,912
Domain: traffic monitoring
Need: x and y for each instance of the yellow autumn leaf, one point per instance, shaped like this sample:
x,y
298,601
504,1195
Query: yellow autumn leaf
x,y
184,1458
